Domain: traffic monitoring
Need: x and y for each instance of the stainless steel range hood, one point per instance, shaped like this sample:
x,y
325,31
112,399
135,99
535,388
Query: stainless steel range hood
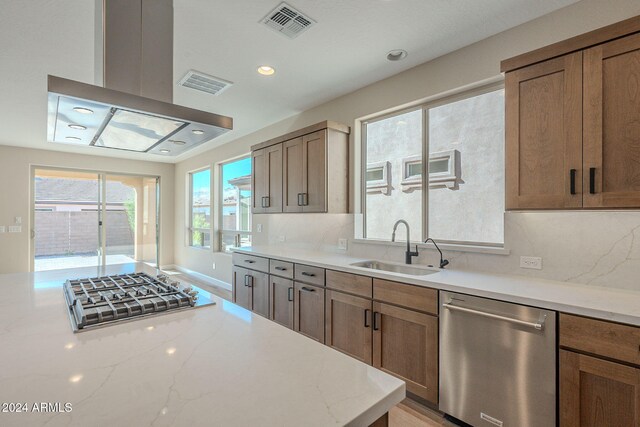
x,y
134,109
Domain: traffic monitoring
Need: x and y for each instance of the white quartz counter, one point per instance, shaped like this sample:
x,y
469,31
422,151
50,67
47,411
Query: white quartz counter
x,y
216,365
617,305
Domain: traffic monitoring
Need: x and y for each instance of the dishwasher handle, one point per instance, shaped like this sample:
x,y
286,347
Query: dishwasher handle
x,y
535,325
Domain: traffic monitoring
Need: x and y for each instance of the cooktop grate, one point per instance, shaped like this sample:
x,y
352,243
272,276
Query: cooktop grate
x,y
100,300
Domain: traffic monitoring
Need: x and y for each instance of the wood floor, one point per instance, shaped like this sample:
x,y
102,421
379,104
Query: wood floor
x,y
408,413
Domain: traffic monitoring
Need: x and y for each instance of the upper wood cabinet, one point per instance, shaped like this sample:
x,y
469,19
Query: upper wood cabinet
x,y
571,124
612,124
266,179
543,129
313,171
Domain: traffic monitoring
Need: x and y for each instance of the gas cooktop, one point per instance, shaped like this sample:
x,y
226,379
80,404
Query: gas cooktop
x,y
99,301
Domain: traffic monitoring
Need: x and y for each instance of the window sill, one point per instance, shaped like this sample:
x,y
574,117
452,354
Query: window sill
x,y
493,250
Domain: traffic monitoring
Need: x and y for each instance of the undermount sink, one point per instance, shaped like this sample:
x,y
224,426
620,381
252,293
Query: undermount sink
x,y
412,270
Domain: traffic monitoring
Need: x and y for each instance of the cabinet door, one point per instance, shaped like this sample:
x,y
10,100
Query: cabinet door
x,y
259,179
281,301
292,170
241,289
273,160
595,392
348,325
314,172
612,124
308,317
405,344
543,129
259,283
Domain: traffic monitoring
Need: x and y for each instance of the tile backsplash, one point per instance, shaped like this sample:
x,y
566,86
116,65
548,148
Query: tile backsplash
x,y
596,248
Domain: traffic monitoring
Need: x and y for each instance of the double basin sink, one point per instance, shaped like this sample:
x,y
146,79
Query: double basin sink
x,y
412,270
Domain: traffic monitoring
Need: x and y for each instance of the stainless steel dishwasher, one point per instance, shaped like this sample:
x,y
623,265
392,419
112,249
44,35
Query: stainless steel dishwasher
x,y
497,362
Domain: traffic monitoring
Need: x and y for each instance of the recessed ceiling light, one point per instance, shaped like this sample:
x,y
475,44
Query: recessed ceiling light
x,y
78,127
165,151
83,110
74,138
177,142
397,55
266,70
197,132
75,378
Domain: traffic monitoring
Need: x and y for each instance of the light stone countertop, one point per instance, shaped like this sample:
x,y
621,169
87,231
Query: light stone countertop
x,y
216,365
618,305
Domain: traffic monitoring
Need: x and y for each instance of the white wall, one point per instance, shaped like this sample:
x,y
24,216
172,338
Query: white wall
x,y
15,196
581,246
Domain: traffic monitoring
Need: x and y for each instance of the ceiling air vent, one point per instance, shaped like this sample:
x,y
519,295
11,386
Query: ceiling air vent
x,y
287,21
204,83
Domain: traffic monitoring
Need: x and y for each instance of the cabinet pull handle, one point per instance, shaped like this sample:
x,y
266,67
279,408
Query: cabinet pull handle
x,y
366,317
267,201
305,199
304,288
300,199
250,261
304,273
290,294
592,180
572,175
248,281
375,320
280,268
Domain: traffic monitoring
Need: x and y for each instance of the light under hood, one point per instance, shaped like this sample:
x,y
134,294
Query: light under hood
x,y
118,116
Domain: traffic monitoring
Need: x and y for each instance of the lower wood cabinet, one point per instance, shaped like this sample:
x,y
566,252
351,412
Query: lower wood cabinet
x,y
308,312
251,290
596,392
281,305
405,344
348,325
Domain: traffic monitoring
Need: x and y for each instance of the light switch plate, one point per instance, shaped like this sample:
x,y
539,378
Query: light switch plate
x,y
281,238
342,244
15,229
532,262
18,220
259,228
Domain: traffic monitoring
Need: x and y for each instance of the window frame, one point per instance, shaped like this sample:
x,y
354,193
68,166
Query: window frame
x,y
190,228
221,232
425,106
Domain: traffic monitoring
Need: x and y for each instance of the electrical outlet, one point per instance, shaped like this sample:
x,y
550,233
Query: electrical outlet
x,y
259,228
281,238
3,229
532,262
214,266
342,244
18,220
15,229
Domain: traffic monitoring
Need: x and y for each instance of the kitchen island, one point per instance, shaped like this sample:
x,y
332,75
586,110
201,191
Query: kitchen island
x,y
215,365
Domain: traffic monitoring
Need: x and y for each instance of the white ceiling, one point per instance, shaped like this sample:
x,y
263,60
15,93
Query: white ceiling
x,y
344,51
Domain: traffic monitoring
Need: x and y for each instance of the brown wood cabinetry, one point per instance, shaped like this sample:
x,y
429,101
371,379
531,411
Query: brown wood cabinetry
x,y
405,344
572,138
543,128
348,325
281,305
597,393
601,388
611,124
314,169
266,179
251,290
309,311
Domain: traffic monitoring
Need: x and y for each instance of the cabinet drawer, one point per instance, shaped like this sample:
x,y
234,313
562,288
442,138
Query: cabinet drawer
x,y
309,274
351,283
251,261
613,340
281,268
415,297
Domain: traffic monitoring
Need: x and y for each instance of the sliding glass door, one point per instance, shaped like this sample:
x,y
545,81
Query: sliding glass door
x,y
93,219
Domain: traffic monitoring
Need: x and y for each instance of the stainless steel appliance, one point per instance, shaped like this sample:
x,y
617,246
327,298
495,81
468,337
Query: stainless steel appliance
x,y
498,362
104,300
